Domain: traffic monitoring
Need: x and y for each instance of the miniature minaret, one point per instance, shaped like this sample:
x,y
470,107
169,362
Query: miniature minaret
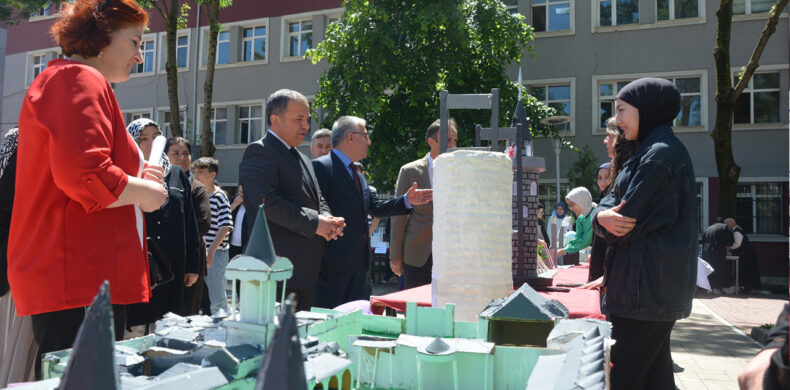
x,y
258,271
91,364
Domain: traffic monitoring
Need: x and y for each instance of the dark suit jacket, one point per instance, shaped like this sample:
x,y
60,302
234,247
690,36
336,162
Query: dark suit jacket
x,y
272,176
351,251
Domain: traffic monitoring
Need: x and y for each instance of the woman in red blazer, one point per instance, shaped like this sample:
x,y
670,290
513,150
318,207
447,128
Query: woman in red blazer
x,y
82,183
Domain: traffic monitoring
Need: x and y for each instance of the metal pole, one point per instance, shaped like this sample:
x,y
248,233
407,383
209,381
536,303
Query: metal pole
x,y
495,119
195,111
557,145
444,117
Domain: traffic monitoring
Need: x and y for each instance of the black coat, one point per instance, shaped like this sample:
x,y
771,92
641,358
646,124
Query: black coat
x,y
272,177
715,240
654,267
597,255
749,270
174,230
7,190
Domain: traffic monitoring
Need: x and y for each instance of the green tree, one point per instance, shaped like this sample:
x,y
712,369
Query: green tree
x,y
213,8
175,17
389,59
727,96
583,172
13,10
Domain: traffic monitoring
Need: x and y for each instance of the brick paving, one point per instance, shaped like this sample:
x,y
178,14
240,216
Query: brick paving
x,y
709,351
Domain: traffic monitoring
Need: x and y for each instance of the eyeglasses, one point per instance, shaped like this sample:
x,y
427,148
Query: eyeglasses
x,y
367,135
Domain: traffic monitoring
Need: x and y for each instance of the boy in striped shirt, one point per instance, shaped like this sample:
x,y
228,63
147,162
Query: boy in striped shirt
x,y
205,171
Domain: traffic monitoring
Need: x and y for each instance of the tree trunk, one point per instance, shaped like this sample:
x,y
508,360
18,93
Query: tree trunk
x,y
726,96
171,67
207,136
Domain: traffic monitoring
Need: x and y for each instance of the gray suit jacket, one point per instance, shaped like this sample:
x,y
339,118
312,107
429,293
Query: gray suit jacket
x,y
292,203
412,234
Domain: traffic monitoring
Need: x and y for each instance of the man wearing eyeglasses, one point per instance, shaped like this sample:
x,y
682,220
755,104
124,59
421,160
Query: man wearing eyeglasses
x,y
348,195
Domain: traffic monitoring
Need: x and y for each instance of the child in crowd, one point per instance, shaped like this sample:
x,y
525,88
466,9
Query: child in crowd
x,y
205,171
580,202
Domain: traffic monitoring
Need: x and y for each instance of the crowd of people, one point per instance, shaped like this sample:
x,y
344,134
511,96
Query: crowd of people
x,y
84,200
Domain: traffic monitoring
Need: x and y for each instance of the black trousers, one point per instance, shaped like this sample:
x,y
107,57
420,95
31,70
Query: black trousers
x,y
641,355
417,276
57,330
344,287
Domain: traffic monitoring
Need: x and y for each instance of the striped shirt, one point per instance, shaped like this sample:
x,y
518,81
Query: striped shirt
x,y
220,217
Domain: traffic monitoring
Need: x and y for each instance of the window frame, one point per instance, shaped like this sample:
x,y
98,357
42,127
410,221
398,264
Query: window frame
x,y
614,78
213,122
286,36
285,19
555,82
546,34
597,11
219,42
236,45
155,48
162,61
239,120
48,54
252,39
781,237
777,68
160,119
672,18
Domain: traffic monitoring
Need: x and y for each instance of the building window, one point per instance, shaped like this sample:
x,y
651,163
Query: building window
x,y
300,37
332,19
39,63
182,49
557,97
166,123
677,9
219,125
759,102
250,123
147,47
751,6
43,11
618,12
254,46
690,102
131,117
511,5
223,48
554,16
759,208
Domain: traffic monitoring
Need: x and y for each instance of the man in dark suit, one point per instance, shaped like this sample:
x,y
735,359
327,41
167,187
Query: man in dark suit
x,y
348,195
281,178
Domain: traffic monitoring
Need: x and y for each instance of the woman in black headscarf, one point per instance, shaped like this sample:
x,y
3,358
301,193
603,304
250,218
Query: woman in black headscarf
x,y
650,220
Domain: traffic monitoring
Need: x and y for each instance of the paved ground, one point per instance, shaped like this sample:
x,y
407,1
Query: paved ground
x,y
708,347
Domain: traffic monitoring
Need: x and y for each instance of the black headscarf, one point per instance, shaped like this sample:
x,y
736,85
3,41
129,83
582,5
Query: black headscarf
x,y
658,102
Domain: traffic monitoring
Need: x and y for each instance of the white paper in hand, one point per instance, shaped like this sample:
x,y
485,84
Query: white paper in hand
x,y
157,149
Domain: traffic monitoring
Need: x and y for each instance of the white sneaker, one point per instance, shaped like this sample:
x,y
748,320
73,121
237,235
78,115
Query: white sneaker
x,y
716,291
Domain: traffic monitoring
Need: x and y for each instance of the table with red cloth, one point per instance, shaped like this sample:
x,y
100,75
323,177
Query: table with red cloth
x,y
580,303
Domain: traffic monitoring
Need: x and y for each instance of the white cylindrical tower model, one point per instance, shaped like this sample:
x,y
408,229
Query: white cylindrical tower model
x,y
472,230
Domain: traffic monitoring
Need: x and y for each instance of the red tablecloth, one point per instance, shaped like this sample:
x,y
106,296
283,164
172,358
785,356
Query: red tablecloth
x,y
580,303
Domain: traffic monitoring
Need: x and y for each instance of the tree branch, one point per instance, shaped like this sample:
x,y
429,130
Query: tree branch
x,y
754,61
159,9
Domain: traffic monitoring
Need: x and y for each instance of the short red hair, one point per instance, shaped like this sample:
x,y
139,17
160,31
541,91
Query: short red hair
x,y
84,27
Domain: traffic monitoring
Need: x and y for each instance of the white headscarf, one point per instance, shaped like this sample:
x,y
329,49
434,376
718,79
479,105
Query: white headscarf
x,y
582,198
136,127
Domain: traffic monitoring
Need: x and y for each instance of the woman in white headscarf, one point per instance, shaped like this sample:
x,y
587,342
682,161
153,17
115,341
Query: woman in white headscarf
x,y
580,202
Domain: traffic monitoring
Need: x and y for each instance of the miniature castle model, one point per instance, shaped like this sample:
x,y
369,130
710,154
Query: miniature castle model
x,y
471,230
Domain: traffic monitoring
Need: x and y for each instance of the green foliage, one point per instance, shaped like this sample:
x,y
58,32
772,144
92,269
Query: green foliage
x,y
584,171
183,16
391,58
13,10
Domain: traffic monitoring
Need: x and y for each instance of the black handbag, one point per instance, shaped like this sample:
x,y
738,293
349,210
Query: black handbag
x,y
159,267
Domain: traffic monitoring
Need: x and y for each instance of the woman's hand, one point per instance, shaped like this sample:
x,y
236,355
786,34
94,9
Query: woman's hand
x,y
614,222
153,196
153,173
190,279
593,285
561,252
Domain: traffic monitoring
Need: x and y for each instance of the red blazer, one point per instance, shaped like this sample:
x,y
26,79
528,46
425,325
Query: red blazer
x,y
74,156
